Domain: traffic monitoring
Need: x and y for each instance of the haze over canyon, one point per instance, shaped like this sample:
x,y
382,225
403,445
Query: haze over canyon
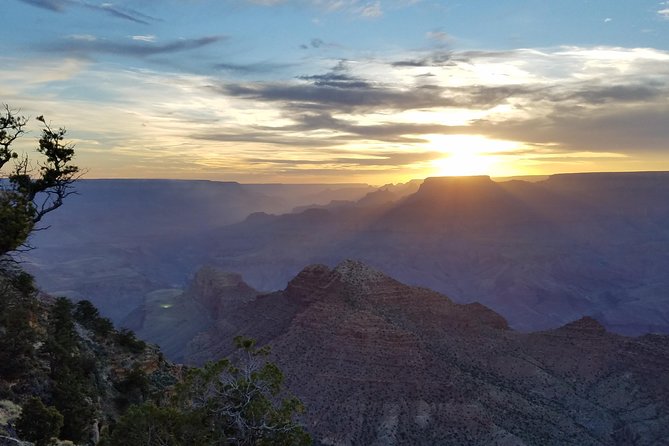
x,y
540,253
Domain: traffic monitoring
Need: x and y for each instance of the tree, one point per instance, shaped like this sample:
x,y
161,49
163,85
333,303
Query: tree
x,y
241,401
28,194
38,423
17,335
236,401
151,425
87,315
72,381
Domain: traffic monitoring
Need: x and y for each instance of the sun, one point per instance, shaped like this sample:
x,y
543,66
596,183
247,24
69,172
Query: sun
x,y
462,162
466,155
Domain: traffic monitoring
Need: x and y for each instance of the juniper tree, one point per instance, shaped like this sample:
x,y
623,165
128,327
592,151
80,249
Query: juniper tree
x,y
30,189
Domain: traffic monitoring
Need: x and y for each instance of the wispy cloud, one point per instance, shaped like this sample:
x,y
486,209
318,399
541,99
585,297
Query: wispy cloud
x,y
336,80
110,9
360,8
370,10
440,37
106,8
377,159
137,47
84,37
435,59
252,68
148,38
51,5
37,72
345,97
318,43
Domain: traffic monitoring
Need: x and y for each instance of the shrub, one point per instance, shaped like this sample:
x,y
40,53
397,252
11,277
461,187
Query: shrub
x,y
126,338
39,423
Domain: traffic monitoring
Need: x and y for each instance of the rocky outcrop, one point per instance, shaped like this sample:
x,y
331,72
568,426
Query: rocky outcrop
x,y
380,362
217,290
585,325
171,318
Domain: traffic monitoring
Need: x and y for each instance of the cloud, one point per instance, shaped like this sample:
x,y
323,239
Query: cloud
x,y
664,13
270,137
601,114
472,56
345,93
625,93
370,10
252,68
439,58
337,89
440,37
328,97
336,80
84,37
380,159
38,72
318,43
358,8
51,5
149,38
625,129
136,48
385,131
590,100
107,8
364,114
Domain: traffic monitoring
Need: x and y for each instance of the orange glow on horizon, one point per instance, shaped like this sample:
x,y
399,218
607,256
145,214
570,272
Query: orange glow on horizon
x,y
467,155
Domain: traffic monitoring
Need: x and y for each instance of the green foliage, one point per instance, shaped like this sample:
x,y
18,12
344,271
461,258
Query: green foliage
x,y
133,389
63,338
29,195
39,423
85,313
73,396
17,336
150,425
103,327
126,338
88,316
73,389
16,220
234,401
240,400
23,283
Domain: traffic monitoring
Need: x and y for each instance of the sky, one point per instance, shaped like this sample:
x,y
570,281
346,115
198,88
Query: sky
x,y
374,91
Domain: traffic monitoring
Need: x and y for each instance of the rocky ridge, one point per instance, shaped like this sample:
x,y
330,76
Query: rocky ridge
x,y
171,318
379,362
542,254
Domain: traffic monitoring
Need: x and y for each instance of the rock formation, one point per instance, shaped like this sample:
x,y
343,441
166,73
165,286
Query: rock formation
x,y
379,362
